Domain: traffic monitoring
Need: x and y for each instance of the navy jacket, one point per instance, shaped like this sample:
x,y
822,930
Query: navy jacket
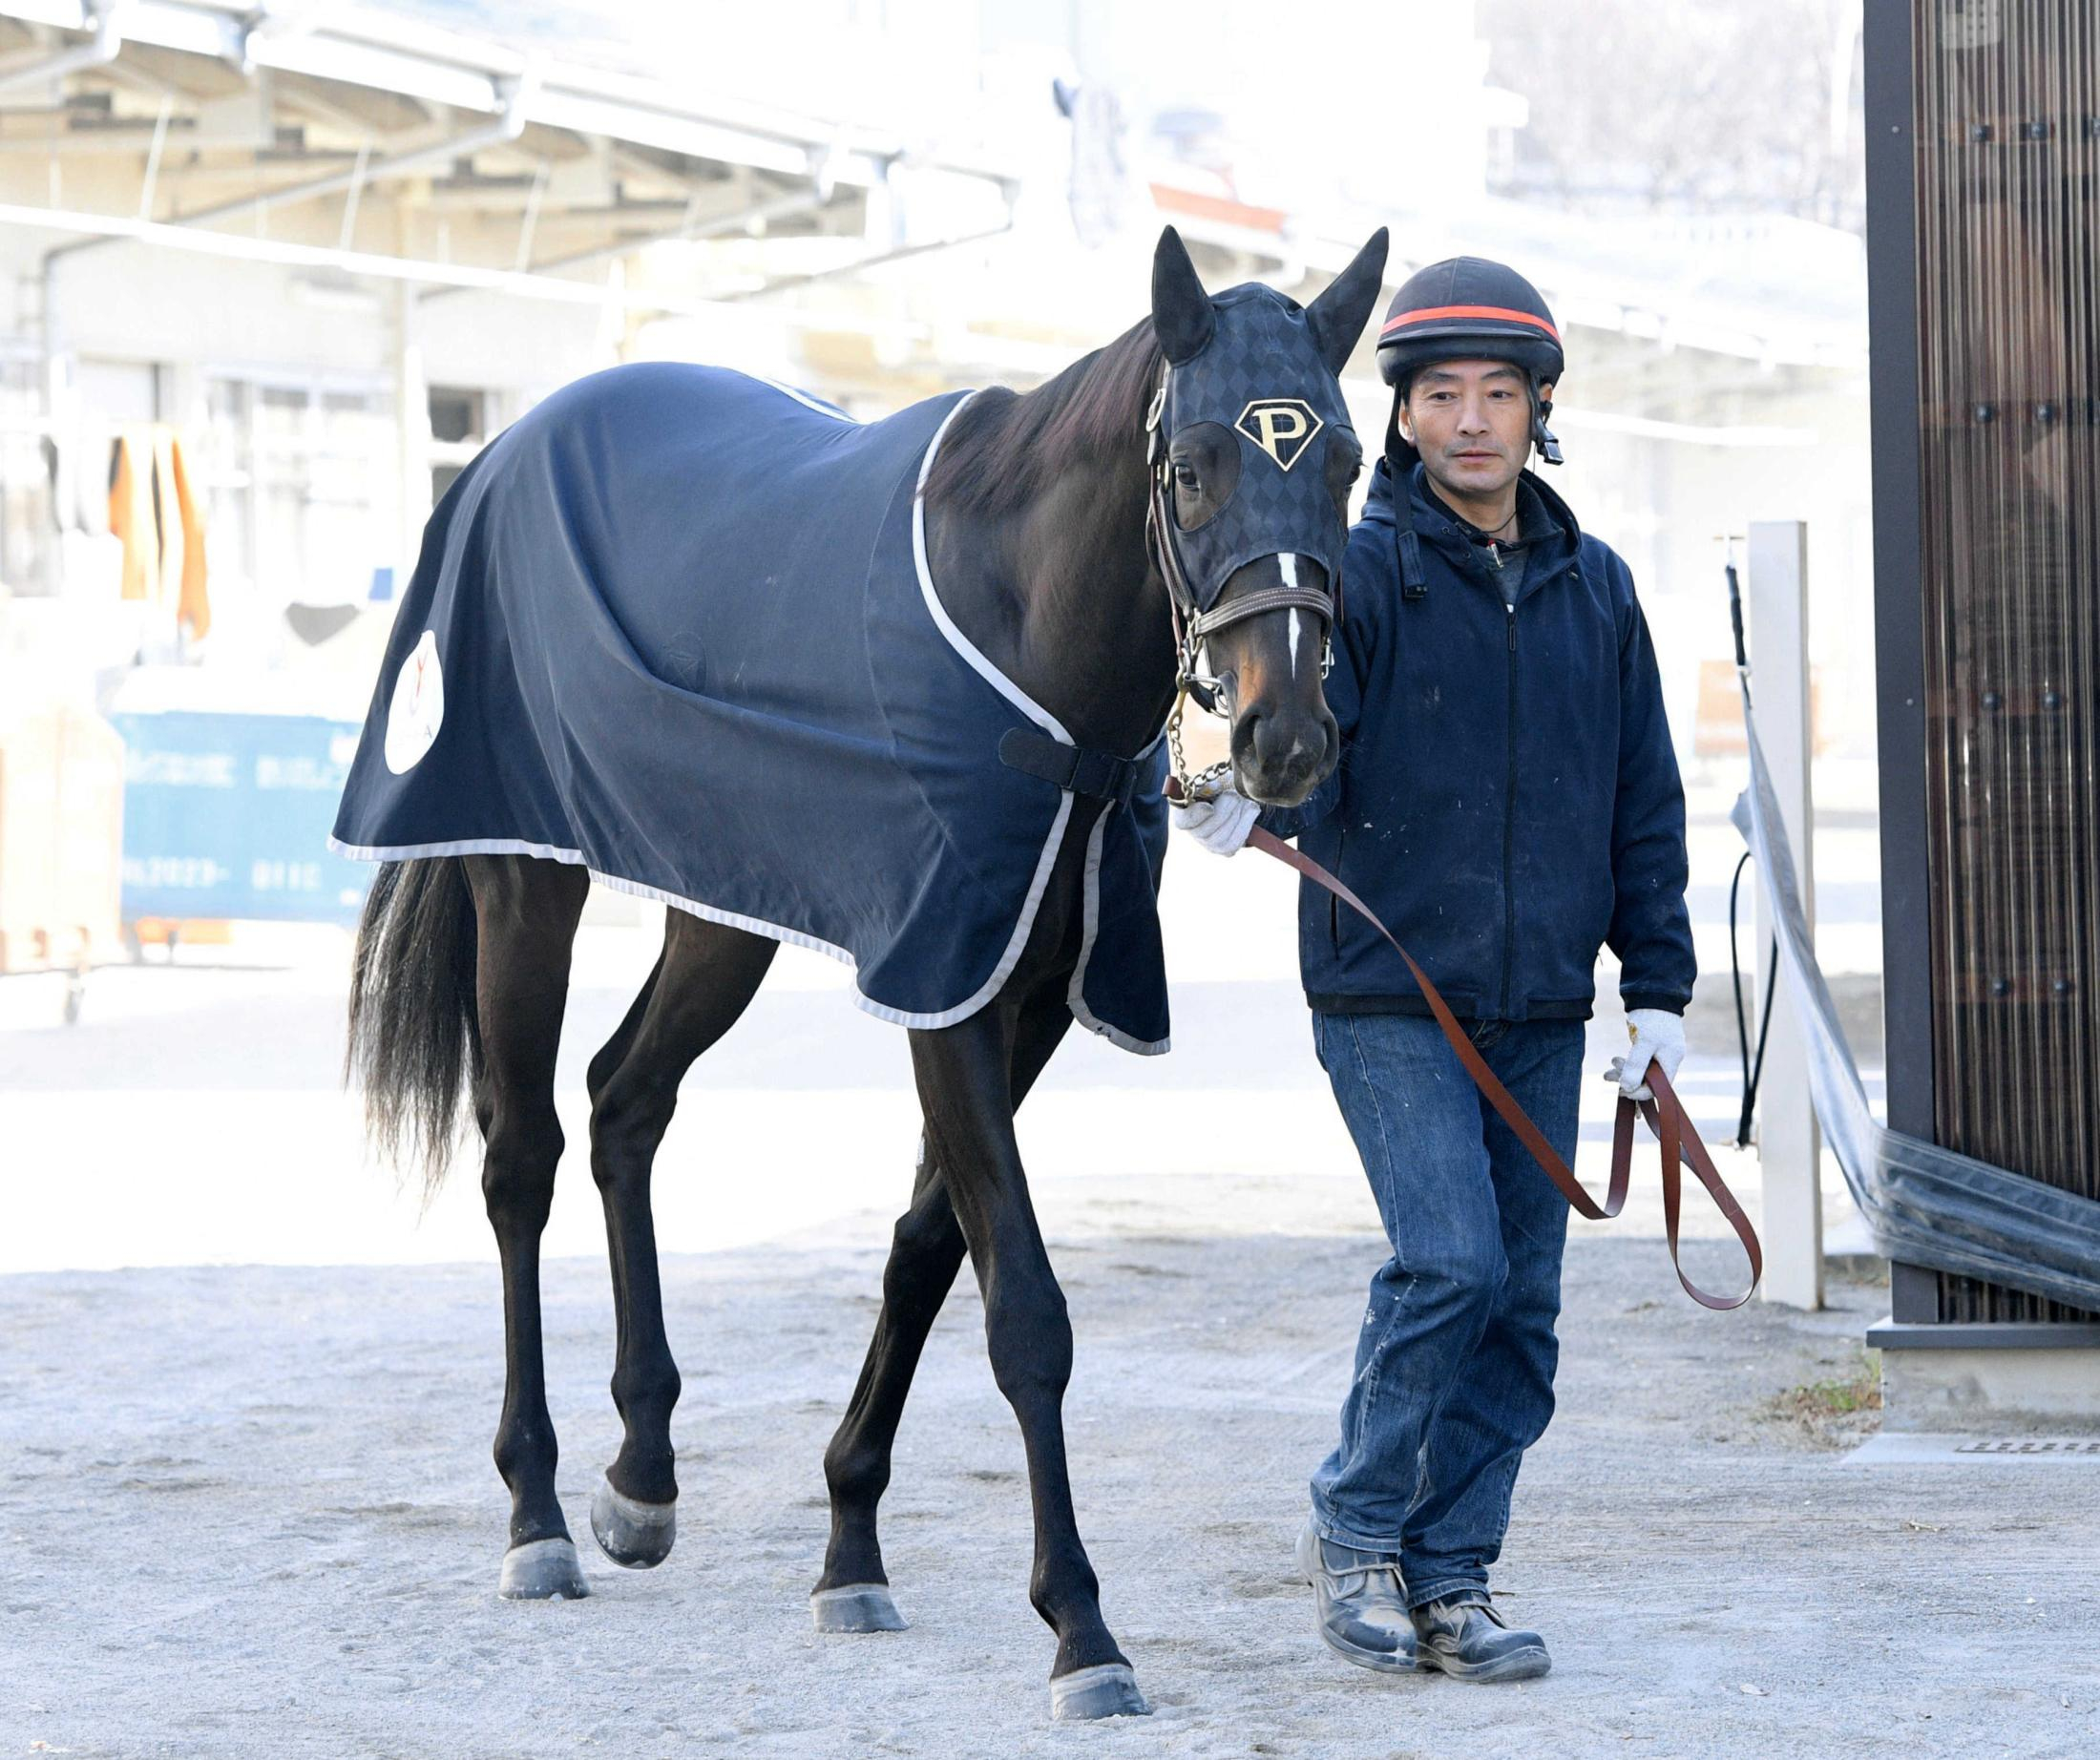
x,y
1507,798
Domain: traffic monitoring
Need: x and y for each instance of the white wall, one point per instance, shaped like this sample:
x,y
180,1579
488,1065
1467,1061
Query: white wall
x,y
1664,505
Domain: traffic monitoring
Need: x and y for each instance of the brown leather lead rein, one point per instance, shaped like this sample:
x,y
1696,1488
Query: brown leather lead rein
x,y
1665,1113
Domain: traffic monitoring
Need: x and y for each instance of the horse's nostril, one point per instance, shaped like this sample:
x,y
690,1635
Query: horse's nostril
x,y
1283,742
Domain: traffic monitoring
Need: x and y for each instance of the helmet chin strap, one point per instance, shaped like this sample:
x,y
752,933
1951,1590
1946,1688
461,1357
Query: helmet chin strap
x,y
1542,436
1402,458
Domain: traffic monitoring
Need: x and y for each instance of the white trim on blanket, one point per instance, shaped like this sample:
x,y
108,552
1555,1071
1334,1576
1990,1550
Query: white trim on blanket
x,y
956,639
1075,999
1075,994
736,919
804,398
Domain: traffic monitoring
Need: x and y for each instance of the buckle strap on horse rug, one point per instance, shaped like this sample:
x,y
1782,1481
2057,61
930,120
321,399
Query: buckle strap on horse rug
x,y
1664,1114
1100,776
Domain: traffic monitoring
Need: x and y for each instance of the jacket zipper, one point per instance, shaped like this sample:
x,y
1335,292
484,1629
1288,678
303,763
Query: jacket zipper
x,y
1509,820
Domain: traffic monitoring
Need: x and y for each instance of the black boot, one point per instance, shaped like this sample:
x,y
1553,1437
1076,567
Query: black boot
x,y
1359,1602
1468,1640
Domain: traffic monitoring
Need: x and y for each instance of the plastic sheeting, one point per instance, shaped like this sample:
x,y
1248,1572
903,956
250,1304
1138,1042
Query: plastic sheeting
x,y
1926,1205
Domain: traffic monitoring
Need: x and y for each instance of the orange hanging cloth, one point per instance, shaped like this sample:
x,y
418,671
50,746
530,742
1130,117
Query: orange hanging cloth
x,y
167,529
155,512
131,515
193,604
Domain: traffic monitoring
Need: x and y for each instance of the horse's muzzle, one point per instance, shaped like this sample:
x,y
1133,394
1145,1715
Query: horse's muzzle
x,y
1280,755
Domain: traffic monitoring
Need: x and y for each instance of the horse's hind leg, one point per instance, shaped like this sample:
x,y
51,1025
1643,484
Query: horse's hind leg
x,y
706,976
926,1251
527,911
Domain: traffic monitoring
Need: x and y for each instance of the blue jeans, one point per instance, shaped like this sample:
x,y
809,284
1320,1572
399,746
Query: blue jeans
x,y
1455,1360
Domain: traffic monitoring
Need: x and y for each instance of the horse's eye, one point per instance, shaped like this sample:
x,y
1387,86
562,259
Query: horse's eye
x,y
1206,471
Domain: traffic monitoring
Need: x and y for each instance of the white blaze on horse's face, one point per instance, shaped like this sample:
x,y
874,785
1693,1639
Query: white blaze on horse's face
x,y
1286,565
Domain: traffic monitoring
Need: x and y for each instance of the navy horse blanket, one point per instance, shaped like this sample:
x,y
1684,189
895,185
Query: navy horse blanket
x,y
677,626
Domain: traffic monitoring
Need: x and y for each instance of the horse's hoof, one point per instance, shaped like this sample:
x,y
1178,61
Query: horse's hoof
x,y
630,1532
542,1570
1109,1690
857,1608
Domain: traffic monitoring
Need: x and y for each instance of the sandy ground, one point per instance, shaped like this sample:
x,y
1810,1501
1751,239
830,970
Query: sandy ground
x,y
249,1512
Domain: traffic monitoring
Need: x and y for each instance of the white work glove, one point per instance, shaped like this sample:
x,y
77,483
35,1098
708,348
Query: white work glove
x,y
1659,1038
1222,823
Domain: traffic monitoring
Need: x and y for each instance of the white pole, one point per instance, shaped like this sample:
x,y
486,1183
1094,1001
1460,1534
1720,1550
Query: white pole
x,y
1789,1143
411,436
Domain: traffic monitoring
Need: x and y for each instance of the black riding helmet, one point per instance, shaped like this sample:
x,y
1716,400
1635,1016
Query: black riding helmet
x,y
1464,309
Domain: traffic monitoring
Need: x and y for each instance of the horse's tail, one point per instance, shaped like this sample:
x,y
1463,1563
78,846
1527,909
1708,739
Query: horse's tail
x,y
414,1038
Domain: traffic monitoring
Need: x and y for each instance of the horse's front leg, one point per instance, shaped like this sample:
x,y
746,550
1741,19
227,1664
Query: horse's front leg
x,y
926,1253
965,1090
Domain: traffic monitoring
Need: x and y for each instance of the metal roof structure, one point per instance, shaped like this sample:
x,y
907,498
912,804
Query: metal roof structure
x,y
340,137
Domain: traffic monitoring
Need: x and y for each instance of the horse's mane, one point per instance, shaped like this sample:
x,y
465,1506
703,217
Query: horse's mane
x,y
1006,447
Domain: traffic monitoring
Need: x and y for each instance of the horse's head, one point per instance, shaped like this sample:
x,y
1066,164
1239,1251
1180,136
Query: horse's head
x,y
1253,456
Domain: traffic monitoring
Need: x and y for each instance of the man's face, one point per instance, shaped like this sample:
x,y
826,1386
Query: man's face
x,y
1471,421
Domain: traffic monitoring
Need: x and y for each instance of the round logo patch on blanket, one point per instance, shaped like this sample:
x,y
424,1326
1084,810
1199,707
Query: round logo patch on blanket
x,y
418,707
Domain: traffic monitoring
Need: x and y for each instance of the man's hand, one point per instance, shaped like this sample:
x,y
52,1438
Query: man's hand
x,y
1221,822
1658,1037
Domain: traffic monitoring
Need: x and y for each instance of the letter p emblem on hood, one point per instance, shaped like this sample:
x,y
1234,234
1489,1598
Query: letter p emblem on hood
x,y
1282,427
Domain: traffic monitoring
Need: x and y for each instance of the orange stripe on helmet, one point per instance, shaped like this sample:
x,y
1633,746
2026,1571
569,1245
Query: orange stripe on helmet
x,y
1503,312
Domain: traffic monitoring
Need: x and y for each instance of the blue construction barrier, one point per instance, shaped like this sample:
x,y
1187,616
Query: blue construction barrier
x,y
228,816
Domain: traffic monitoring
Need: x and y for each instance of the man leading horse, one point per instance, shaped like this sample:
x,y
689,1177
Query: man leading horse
x,y
1508,801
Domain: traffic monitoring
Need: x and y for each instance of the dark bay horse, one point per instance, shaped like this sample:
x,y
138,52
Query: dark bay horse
x,y
1174,502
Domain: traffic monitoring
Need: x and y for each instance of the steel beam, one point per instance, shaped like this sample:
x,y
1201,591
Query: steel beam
x,y
504,130
685,231
902,253
108,24
466,277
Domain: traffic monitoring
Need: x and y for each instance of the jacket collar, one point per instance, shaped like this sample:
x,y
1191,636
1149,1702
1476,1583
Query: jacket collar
x,y
1546,555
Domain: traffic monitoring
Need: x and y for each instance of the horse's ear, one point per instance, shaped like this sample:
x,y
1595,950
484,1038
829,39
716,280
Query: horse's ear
x,y
1337,316
1182,318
